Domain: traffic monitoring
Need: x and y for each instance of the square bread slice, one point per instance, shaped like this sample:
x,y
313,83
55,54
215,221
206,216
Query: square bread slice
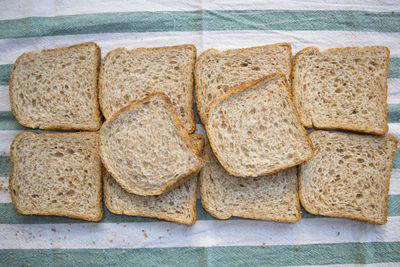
x,y
177,205
131,75
348,176
254,129
57,88
342,88
57,174
271,197
218,71
145,147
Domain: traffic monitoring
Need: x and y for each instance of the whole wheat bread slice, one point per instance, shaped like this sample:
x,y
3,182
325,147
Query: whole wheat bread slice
x,y
145,147
177,205
218,71
254,129
271,197
130,75
348,176
57,174
57,88
342,88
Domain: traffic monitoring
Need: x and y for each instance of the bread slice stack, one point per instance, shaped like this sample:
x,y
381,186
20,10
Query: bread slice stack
x,y
346,89
256,139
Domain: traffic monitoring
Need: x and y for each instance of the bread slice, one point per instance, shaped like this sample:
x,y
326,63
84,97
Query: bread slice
x,y
254,129
57,88
348,176
130,75
271,197
218,71
177,205
145,147
342,88
57,174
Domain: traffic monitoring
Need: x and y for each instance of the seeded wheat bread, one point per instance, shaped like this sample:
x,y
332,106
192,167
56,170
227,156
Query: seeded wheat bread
x,y
177,205
342,88
130,75
145,147
348,176
271,197
218,71
57,174
57,88
254,129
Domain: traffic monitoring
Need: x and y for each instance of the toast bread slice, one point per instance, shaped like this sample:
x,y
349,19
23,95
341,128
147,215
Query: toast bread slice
x,y
57,88
270,197
348,176
141,160
254,129
57,174
130,75
342,88
218,71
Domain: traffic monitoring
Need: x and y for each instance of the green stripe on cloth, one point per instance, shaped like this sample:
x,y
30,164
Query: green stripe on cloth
x,y
5,166
393,72
394,67
9,122
5,70
8,215
282,255
393,113
206,20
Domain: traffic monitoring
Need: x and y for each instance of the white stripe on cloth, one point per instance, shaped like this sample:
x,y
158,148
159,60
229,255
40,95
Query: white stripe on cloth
x,y
10,49
4,194
202,234
47,8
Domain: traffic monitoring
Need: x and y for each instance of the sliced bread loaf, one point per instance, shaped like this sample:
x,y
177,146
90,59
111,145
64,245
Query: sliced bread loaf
x,y
342,88
145,147
57,174
254,129
271,197
130,75
218,71
177,205
348,176
57,88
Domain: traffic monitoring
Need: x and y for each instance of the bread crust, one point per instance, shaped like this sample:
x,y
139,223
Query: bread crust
x,y
243,87
59,126
309,121
198,62
106,112
334,214
183,134
246,215
99,196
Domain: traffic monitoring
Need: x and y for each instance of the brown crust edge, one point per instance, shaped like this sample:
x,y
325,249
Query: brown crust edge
x,y
338,215
58,126
203,117
348,127
206,204
241,88
183,133
13,198
106,111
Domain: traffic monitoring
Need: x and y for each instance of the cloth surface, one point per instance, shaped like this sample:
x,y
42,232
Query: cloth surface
x,y
125,240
